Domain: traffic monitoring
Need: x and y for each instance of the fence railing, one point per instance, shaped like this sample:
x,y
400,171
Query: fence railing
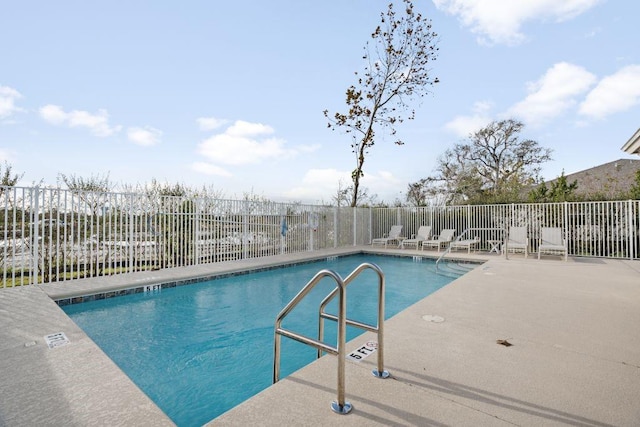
x,y
608,229
52,235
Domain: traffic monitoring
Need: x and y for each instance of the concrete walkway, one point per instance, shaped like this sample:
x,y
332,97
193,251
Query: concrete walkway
x,y
574,359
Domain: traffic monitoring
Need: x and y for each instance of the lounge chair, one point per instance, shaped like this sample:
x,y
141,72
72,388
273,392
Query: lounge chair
x,y
424,233
393,236
445,237
517,241
467,244
552,242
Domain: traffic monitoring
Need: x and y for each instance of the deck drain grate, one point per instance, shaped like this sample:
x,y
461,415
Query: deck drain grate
x,y
433,318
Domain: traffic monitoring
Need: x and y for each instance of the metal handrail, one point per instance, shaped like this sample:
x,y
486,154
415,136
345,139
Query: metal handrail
x,y
378,329
340,406
446,251
460,238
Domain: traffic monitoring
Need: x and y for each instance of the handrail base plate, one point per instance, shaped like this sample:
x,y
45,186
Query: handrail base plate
x,y
341,409
382,375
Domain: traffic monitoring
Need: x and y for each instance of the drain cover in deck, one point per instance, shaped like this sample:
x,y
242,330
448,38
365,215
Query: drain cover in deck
x,y
433,318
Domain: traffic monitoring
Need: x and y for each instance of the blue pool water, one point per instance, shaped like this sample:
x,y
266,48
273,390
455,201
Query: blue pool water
x,y
199,350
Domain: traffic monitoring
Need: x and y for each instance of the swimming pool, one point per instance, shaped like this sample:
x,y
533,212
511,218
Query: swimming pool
x,y
199,350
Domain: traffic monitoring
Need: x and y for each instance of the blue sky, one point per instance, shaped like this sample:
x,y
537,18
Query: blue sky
x,y
230,94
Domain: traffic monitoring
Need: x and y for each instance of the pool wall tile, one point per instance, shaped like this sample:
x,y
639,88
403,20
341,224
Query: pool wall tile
x,y
173,284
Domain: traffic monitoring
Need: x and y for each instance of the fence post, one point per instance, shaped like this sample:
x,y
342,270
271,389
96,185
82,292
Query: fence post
x,y
355,226
335,226
370,225
244,237
630,228
35,214
565,226
196,232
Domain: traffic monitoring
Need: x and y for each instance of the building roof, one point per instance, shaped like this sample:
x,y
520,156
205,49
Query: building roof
x,y
632,146
610,179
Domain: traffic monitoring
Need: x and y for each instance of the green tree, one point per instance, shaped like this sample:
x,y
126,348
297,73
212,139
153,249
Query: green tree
x,y
417,194
7,177
634,192
559,191
397,70
492,166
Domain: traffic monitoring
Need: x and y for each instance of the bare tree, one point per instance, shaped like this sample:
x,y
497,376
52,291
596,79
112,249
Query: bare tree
x,y
341,195
397,71
492,166
91,190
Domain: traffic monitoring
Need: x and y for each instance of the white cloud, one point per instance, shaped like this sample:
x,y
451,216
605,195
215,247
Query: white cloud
x,y
8,98
554,93
244,143
319,184
53,114
614,93
210,123
501,21
465,125
97,123
322,184
245,129
384,184
209,169
146,136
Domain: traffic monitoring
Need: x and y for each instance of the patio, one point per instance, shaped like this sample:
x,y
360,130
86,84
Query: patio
x,y
574,359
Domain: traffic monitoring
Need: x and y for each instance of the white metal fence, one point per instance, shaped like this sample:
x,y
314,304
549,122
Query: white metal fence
x,y
52,235
608,229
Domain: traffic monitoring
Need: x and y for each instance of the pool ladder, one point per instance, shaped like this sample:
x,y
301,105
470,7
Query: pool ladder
x,y
339,406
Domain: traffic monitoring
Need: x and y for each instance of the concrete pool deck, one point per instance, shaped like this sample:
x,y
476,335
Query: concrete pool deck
x,y
574,360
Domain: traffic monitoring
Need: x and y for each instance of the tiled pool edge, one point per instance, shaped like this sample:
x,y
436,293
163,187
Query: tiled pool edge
x,y
172,284
123,282
113,286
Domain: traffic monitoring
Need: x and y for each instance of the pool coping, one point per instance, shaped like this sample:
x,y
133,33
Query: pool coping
x,y
67,292
77,384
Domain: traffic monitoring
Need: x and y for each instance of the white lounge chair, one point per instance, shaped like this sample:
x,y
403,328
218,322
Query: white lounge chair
x,y
517,241
424,233
552,242
393,236
467,244
445,237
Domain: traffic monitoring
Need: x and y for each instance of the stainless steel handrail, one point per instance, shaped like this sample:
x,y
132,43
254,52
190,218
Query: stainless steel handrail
x,y
340,406
379,328
446,251
468,230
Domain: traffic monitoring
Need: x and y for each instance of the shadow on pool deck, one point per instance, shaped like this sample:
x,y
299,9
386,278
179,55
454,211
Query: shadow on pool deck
x,y
575,358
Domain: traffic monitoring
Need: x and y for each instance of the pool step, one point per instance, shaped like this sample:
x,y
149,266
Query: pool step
x,y
453,269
